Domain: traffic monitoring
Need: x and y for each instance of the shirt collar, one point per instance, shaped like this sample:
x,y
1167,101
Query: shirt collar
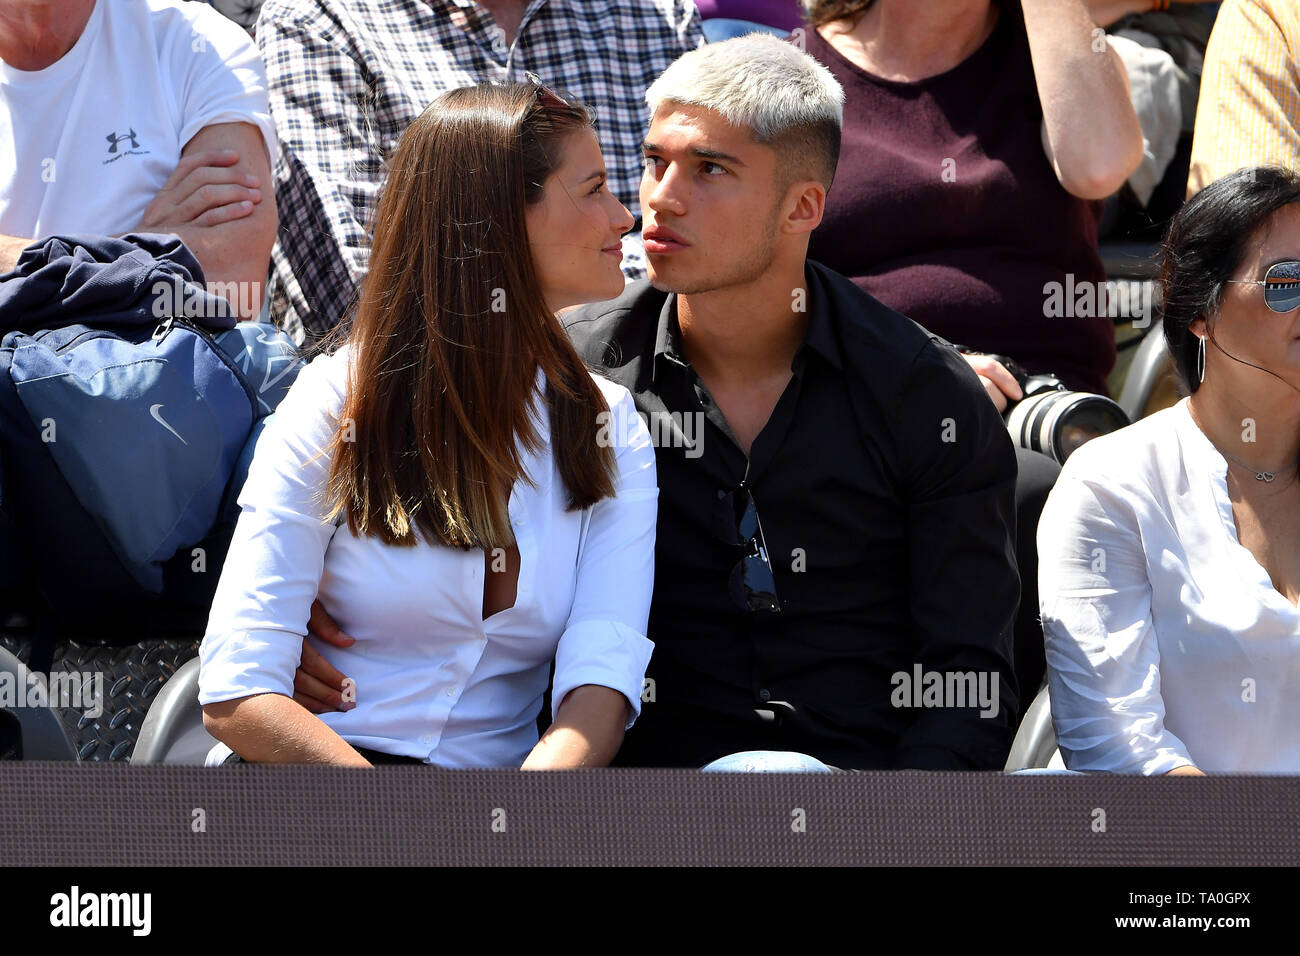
x,y
821,337
668,338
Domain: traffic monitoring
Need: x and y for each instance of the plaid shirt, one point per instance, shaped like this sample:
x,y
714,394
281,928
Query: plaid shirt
x,y
346,77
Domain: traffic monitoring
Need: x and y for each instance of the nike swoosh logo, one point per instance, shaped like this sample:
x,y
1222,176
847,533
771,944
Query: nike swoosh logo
x,y
153,410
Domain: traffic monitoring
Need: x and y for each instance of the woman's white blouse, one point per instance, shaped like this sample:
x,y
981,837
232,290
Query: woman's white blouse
x,y
1167,644
433,679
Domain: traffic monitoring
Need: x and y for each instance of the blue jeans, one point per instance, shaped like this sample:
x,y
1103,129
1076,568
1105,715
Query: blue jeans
x,y
766,761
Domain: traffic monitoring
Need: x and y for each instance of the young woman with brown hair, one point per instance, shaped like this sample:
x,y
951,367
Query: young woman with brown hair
x,y
447,480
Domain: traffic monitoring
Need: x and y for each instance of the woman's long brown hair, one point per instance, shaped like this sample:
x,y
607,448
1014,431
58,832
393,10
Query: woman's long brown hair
x,y
451,329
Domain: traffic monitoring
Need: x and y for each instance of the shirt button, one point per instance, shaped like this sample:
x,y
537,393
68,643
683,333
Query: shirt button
x,y
451,692
427,740
764,694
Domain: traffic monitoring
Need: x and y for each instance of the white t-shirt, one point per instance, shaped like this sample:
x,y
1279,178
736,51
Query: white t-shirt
x,y
89,140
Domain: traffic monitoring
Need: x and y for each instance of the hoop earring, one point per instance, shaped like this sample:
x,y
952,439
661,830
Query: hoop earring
x,y
1200,360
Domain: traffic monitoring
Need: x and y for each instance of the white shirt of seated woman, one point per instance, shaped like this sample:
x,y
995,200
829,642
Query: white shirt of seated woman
x,y
1170,551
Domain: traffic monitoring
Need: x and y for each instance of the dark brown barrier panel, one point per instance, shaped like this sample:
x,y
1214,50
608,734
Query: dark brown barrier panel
x,y
115,815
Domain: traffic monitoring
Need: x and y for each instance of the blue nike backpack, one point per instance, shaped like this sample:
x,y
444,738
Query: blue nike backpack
x,y
128,398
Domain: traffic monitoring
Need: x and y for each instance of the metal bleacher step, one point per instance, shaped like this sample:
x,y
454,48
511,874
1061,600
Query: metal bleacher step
x,y
106,725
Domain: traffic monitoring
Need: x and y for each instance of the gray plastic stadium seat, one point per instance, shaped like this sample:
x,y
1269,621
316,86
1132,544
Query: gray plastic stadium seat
x,y
1129,260
173,729
43,736
1139,262
1035,743
1151,363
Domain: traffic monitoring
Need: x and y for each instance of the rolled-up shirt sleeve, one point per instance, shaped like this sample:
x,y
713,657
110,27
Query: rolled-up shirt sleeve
x,y
253,642
604,640
1103,660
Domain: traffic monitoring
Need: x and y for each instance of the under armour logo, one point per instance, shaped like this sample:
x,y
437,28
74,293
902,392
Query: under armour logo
x,y
114,139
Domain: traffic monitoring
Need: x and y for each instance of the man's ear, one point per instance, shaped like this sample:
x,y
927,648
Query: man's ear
x,y
805,202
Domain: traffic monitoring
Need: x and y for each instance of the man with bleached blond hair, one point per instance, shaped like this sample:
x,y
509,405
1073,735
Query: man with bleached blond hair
x,y
834,555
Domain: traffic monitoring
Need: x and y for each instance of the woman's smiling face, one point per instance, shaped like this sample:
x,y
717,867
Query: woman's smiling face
x,y
574,230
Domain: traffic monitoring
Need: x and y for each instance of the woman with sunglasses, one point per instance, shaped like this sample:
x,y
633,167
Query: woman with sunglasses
x,y
446,479
1170,550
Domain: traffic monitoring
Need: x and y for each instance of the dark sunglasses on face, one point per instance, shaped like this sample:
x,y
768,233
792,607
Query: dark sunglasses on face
x,y
752,583
1281,286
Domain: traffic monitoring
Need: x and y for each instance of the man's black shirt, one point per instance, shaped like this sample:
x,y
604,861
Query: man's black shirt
x,y
883,481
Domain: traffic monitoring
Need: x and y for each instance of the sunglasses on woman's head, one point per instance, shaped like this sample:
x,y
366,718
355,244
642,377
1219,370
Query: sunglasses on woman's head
x,y
1281,286
547,97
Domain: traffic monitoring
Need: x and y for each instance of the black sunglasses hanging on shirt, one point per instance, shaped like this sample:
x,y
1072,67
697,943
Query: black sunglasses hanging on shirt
x,y
753,583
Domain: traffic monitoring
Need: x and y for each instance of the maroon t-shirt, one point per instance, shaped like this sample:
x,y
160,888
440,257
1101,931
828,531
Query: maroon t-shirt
x,y
945,207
